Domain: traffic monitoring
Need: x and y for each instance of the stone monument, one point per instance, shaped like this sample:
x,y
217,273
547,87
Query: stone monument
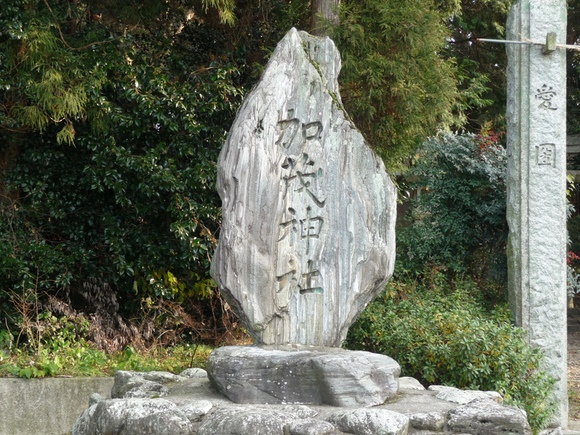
x,y
536,115
307,239
308,233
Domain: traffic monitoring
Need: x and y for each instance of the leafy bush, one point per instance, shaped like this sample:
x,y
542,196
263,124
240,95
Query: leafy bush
x,y
574,236
397,92
446,334
108,145
457,220
132,205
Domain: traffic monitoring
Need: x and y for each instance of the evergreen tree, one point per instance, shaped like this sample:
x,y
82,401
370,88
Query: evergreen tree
x,y
573,94
396,83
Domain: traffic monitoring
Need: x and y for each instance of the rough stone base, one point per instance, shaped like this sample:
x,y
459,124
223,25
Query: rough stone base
x,y
303,375
191,406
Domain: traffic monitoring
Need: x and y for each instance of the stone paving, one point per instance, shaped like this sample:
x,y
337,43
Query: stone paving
x,y
574,367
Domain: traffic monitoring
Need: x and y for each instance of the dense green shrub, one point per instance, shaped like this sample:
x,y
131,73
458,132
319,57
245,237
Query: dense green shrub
x,y
395,83
446,334
457,218
574,234
129,210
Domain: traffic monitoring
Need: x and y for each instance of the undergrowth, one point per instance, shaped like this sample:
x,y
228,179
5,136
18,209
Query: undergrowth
x,y
445,332
49,337
82,359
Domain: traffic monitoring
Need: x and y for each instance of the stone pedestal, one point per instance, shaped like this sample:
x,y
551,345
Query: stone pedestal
x,y
536,115
163,403
303,375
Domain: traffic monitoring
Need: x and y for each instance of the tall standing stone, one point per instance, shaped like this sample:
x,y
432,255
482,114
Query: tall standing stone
x,y
536,114
308,236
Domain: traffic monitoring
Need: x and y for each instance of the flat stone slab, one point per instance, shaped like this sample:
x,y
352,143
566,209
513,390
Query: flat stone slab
x,y
303,375
192,406
462,397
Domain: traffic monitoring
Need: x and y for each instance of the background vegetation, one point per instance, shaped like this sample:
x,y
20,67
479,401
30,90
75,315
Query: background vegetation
x,y
444,332
111,121
445,315
112,115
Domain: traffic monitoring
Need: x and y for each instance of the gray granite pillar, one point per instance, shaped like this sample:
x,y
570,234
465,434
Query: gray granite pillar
x,y
536,116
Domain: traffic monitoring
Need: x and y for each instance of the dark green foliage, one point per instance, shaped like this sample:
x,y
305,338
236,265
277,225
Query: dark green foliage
x,y
442,333
411,69
395,83
132,205
573,71
42,83
112,118
481,66
55,55
574,234
457,218
133,200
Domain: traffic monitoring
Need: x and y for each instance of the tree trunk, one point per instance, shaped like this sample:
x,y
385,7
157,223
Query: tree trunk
x,y
324,12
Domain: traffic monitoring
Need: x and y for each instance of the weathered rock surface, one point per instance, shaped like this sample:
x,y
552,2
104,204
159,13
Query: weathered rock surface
x,y
410,383
487,417
462,397
371,422
430,421
311,426
253,421
133,417
300,375
143,384
308,232
192,407
194,410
